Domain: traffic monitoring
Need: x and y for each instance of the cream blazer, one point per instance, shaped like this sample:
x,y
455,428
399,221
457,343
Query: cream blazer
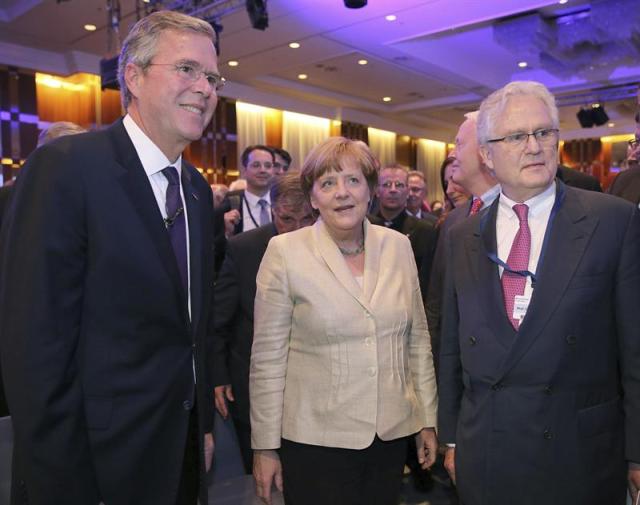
x,y
332,363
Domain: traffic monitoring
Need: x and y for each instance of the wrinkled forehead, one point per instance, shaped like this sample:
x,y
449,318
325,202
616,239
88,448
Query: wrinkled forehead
x,y
393,174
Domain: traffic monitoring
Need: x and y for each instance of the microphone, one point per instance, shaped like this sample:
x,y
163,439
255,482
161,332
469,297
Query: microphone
x,y
168,221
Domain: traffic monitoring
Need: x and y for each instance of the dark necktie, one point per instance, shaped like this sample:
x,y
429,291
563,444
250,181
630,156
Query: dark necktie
x,y
265,218
513,284
476,205
175,222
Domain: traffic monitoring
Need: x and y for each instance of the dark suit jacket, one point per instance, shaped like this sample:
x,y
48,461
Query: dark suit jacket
x,y
538,415
97,345
433,303
627,185
423,237
5,195
234,294
578,179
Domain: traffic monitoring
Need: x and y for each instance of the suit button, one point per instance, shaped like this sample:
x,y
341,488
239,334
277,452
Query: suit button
x,y
498,386
187,405
571,340
372,371
367,341
547,434
548,390
473,340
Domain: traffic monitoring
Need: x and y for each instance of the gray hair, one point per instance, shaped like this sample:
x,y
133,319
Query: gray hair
x,y
139,47
492,106
59,129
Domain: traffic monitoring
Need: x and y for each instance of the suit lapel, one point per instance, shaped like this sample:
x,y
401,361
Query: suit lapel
x,y
570,232
135,184
480,246
336,263
194,206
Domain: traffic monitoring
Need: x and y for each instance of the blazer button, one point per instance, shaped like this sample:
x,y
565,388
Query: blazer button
x,y
547,434
473,340
367,341
571,339
548,390
187,405
497,386
372,371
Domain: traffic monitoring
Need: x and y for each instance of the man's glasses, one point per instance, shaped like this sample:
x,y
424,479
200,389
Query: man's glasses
x,y
544,137
389,184
266,164
191,73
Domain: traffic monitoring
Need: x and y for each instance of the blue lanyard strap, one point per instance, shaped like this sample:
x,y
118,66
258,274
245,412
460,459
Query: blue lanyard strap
x,y
493,256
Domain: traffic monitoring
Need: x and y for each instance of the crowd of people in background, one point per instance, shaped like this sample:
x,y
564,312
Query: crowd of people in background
x,y
348,326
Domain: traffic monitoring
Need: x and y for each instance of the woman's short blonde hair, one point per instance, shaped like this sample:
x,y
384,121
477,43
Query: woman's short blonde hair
x,y
333,154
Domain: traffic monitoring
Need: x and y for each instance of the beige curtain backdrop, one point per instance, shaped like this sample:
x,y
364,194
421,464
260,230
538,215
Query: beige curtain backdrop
x,y
251,126
301,133
383,145
429,157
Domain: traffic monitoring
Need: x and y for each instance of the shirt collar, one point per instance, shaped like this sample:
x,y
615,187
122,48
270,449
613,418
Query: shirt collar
x,y
252,199
490,195
538,204
152,158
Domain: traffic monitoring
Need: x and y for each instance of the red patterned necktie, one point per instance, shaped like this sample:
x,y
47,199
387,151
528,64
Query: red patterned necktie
x,y
513,284
476,205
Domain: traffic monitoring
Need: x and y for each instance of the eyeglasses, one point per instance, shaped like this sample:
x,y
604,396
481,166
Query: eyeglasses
x,y
257,164
633,143
389,184
544,137
191,73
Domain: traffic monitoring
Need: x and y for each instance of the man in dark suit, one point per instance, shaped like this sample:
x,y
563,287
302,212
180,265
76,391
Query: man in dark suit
x,y
250,208
105,290
540,361
627,184
392,193
416,206
234,294
475,177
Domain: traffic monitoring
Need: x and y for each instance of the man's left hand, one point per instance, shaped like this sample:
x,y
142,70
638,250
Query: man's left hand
x,y
208,450
427,447
634,481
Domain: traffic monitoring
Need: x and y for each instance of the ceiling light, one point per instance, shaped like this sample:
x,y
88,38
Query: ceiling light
x,y
362,62
294,45
562,2
90,28
523,64
386,99
391,17
302,76
611,125
233,63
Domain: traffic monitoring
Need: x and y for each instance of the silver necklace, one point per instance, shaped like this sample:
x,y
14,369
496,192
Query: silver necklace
x,y
352,252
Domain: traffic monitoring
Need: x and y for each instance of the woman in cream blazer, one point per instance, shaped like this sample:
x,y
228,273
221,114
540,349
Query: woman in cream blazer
x,y
341,365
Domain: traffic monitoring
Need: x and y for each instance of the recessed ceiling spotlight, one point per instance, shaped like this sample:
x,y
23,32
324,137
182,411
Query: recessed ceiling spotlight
x,y
562,2
595,105
386,99
90,28
391,17
302,76
362,62
611,125
523,64
233,63
294,45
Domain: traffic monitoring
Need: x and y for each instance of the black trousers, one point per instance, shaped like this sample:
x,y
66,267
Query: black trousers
x,y
316,475
243,434
190,477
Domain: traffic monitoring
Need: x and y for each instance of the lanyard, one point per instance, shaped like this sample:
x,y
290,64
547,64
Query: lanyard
x,y
493,256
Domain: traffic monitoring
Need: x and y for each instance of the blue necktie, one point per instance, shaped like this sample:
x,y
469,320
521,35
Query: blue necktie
x,y
265,217
175,223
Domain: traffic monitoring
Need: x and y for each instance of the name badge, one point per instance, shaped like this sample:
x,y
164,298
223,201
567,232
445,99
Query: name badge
x,y
520,306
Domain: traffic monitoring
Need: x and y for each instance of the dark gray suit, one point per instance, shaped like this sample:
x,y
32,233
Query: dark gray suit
x,y
538,415
97,346
627,185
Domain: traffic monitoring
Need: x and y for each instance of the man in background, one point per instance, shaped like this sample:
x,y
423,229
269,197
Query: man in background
x,y
234,294
416,201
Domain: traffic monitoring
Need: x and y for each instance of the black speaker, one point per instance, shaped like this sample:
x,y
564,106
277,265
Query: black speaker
x,y
355,4
109,73
585,117
257,10
599,115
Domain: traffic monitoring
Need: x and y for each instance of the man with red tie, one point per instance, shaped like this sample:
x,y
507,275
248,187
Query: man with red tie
x,y
540,360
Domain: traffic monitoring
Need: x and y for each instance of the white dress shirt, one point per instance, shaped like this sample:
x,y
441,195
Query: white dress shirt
x,y
507,225
251,208
489,196
153,162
